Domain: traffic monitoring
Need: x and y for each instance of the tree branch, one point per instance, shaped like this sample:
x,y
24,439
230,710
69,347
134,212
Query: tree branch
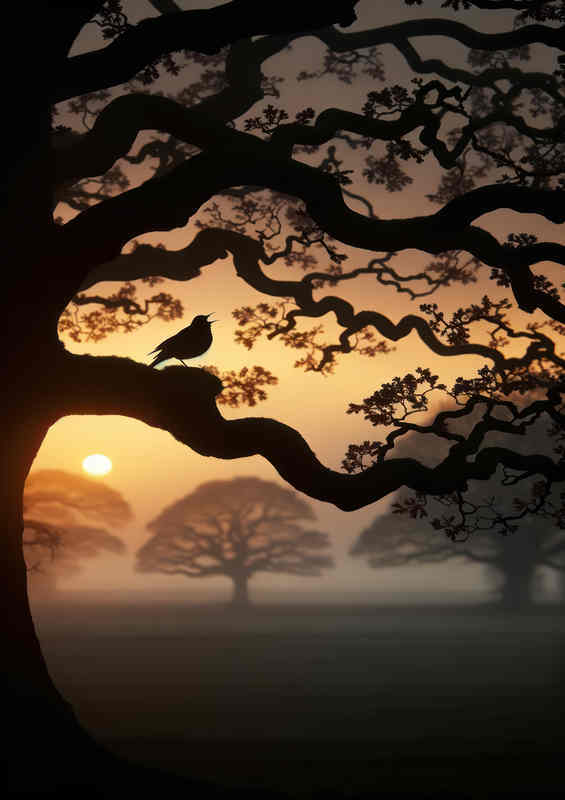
x,y
203,31
390,34
487,78
212,244
170,201
119,123
182,402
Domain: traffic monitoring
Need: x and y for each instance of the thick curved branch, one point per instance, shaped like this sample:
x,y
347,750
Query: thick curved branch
x,y
165,6
170,201
118,125
182,402
419,115
503,5
390,34
164,203
212,244
203,31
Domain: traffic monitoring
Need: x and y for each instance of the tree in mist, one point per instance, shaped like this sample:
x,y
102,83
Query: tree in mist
x,y
63,513
512,561
235,528
267,181
512,543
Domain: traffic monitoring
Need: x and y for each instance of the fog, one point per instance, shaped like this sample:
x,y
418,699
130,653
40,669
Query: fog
x,y
317,698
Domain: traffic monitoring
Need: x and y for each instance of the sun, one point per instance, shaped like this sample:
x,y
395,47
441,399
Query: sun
x,y
97,464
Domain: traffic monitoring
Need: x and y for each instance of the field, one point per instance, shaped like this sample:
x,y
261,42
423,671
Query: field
x,y
308,700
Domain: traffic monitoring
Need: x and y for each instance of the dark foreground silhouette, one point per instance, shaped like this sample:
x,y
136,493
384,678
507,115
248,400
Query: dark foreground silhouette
x,y
190,342
315,701
68,212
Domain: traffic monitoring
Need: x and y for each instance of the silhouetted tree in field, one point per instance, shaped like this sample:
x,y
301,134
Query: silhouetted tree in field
x,y
62,515
512,543
285,195
513,560
236,528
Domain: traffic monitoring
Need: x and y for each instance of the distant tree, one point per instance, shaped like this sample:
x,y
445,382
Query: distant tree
x,y
235,528
63,513
513,542
514,561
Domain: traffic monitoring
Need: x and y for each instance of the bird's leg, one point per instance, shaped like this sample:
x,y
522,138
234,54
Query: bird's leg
x,y
182,362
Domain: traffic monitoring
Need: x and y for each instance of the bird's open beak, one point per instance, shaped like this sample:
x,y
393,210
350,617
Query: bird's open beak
x,y
211,320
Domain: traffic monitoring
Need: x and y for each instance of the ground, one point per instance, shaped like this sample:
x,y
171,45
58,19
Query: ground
x,y
321,701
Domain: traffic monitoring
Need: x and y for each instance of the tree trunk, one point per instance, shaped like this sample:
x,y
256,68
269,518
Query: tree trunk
x,y
517,592
560,585
45,750
240,594
517,562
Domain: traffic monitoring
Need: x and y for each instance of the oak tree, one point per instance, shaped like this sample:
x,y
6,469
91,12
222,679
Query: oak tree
x,y
512,536
494,128
236,528
63,518
512,562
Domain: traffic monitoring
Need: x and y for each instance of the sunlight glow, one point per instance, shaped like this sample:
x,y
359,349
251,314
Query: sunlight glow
x,y
97,464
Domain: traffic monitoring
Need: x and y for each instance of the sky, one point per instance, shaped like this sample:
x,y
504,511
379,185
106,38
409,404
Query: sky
x,y
152,470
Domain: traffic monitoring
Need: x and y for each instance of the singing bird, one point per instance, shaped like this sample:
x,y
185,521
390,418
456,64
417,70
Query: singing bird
x,y
192,341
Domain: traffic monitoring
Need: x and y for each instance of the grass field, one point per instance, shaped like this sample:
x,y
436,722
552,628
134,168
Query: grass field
x,y
321,700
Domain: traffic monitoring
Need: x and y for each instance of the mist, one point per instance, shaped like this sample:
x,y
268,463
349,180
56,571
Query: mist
x,y
327,697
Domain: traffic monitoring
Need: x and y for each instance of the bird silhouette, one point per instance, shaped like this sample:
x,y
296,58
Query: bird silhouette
x,y
192,341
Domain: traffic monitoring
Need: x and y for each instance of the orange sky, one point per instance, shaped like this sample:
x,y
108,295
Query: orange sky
x,y
152,470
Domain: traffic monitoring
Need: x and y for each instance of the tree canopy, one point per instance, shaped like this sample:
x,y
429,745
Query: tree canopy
x,y
267,189
512,537
512,562
63,514
235,528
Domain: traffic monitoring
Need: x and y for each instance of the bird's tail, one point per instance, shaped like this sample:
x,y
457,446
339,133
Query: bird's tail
x,y
158,358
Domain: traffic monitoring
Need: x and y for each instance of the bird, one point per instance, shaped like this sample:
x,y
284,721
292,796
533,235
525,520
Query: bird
x,y
190,342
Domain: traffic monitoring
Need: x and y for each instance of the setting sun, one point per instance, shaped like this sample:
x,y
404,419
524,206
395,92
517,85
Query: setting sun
x,y
97,464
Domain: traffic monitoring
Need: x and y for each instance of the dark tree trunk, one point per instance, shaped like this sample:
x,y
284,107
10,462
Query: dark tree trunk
x,y
240,594
561,586
42,735
517,591
517,563
45,751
